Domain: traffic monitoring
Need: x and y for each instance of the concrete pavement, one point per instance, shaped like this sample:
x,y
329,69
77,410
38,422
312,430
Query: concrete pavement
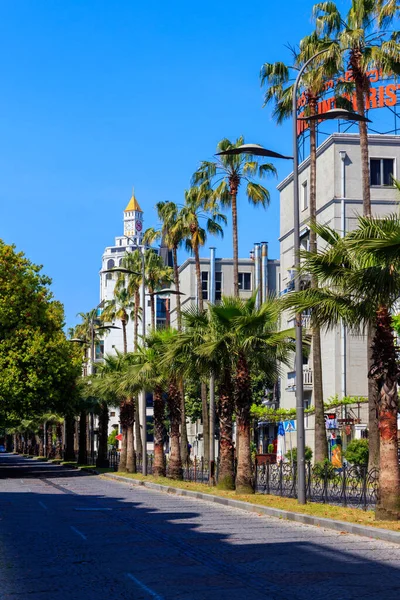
x,y
66,535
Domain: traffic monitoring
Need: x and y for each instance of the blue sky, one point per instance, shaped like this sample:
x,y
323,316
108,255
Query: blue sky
x,y
98,96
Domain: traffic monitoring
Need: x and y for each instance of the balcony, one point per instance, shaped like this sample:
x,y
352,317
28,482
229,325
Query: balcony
x,y
307,380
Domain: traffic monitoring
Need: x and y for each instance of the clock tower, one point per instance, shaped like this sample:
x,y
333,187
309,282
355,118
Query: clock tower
x,y
133,220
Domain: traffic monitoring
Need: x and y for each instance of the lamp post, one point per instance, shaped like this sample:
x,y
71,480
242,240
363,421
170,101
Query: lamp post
x,y
258,150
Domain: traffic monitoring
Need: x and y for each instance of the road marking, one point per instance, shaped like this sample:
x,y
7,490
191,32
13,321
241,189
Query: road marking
x,y
96,509
78,532
144,587
42,505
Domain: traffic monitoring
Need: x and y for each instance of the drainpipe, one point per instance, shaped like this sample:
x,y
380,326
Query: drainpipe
x,y
257,268
343,334
264,271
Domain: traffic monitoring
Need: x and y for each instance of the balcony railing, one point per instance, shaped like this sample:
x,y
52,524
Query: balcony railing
x,y
307,379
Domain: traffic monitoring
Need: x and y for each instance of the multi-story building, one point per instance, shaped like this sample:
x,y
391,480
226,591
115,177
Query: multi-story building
x,y
339,202
112,257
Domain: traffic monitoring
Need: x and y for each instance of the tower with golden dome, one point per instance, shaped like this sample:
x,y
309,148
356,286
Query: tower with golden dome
x,y
133,220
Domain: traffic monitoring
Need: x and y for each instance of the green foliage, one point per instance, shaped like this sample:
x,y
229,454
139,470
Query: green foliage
x,y
357,452
111,438
263,413
291,455
271,448
38,365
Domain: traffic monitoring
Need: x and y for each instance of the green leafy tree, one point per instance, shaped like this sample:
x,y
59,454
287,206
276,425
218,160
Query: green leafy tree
x,y
158,275
39,366
120,307
225,175
357,452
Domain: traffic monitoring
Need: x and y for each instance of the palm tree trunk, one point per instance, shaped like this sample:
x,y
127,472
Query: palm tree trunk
x,y
321,445
138,437
373,429
58,452
136,320
82,454
386,372
123,323
365,178
184,437
153,312
130,438
226,476
177,287
174,409
69,437
159,457
41,446
200,303
234,190
244,475
102,451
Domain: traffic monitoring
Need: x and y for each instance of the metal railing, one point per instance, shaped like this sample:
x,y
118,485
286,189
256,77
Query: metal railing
x,y
350,486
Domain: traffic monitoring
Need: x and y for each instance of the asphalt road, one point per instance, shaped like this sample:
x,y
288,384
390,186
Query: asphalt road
x,y
68,536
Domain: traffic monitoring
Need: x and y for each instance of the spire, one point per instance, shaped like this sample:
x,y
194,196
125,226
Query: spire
x,y
133,204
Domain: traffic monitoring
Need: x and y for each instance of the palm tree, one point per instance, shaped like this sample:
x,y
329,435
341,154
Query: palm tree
x,y
157,276
361,285
201,206
173,233
279,81
225,175
133,262
256,345
366,34
204,347
146,372
120,307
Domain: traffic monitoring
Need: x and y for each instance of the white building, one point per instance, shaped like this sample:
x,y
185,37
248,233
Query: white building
x,y
339,202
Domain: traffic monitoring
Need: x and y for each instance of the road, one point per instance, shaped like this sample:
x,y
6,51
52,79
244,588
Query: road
x,y
69,536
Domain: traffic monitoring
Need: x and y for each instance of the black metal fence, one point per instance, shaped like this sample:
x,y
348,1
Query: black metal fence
x,y
353,486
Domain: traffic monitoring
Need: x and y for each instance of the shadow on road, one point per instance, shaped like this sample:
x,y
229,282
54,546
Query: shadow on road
x,y
92,538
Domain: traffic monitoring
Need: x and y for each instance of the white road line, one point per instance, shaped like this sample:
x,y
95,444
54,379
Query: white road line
x,y
144,587
42,505
78,532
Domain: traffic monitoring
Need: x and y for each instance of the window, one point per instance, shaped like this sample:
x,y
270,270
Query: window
x,y
245,281
112,414
110,265
204,284
304,196
218,286
381,171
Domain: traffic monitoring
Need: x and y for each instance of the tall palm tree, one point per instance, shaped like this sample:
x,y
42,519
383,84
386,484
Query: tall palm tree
x,y
120,307
256,345
366,33
157,276
172,232
279,81
133,262
204,347
361,285
225,175
200,207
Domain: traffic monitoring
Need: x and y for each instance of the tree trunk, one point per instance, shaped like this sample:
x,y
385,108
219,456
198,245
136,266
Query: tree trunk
x,y
177,287
102,451
226,475
184,437
386,372
321,445
82,453
50,452
138,437
58,452
136,320
41,446
244,475
69,437
234,191
123,323
159,457
153,311
174,409
200,303
129,422
206,422
373,429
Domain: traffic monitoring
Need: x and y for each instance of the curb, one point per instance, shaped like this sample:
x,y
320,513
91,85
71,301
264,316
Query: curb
x,y
342,526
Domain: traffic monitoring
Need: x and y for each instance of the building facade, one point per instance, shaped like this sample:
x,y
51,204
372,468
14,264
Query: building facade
x,y
339,203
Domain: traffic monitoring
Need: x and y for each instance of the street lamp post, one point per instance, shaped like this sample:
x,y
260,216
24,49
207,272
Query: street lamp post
x,y
258,150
